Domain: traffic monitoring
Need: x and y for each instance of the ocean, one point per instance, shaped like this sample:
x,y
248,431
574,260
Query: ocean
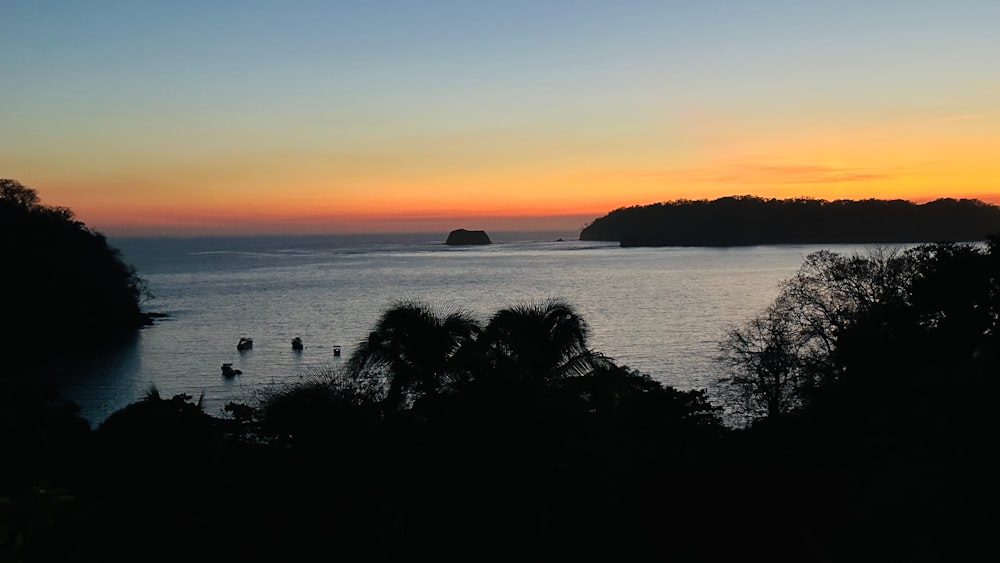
x,y
662,311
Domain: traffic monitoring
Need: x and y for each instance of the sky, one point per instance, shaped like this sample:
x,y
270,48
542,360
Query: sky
x,y
237,117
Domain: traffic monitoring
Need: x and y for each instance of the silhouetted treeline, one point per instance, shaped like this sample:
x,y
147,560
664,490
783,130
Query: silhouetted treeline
x,y
749,220
64,290
875,376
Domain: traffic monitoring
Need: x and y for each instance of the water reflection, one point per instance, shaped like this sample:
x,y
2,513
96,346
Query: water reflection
x,y
108,380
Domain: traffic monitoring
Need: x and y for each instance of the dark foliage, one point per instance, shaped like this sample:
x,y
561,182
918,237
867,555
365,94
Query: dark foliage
x,y
417,349
514,441
901,419
539,342
749,220
64,290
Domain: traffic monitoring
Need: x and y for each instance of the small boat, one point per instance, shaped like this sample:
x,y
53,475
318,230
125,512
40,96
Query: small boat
x,y
244,344
297,343
228,371
336,351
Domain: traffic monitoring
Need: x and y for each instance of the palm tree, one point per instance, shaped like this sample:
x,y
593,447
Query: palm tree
x,y
539,342
416,349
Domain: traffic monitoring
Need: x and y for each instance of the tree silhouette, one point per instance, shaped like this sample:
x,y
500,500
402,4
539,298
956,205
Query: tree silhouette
x,y
59,274
777,360
14,193
765,361
414,348
538,342
831,291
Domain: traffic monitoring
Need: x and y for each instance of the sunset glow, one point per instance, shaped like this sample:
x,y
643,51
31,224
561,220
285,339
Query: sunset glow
x,y
408,117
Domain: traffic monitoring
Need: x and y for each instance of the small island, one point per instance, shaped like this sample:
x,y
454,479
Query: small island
x,y
465,237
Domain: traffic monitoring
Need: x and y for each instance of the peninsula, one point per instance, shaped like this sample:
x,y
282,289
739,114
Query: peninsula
x,y
751,220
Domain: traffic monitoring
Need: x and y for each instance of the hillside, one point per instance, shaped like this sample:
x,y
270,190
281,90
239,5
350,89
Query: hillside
x,y
64,291
751,220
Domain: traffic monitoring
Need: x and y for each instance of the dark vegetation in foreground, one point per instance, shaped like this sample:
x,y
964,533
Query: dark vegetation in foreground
x,y
861,427
749,220
65,290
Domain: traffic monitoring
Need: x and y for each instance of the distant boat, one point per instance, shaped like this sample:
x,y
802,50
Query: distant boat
x,y
297,343
336,351
228,371
244,344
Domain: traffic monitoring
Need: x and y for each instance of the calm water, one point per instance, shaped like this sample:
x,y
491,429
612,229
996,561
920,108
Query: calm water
x,y
659,310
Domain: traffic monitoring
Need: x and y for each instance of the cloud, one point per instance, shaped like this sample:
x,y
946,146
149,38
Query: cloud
x,y
767,173
803,174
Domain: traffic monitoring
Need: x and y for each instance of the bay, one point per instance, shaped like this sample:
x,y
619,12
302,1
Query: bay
x,y
660,310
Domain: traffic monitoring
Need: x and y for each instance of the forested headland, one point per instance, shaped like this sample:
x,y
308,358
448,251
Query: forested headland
x,y
65,290
853,420
750,220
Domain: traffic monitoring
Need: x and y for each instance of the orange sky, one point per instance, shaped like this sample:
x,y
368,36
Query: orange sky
x,y
479,117
390,188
